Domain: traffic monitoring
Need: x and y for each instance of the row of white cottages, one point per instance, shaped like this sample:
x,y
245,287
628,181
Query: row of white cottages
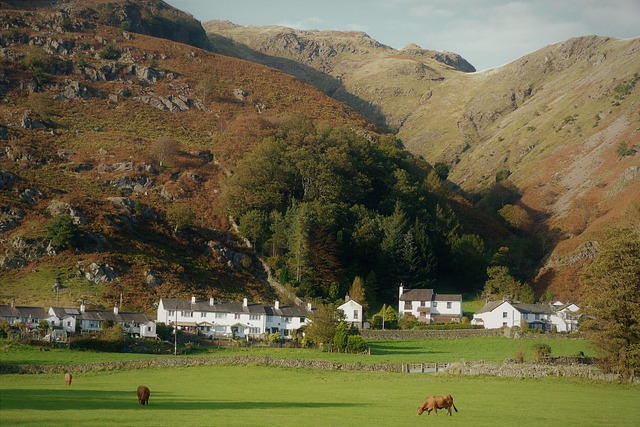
x,y
244,319
69,320
233,319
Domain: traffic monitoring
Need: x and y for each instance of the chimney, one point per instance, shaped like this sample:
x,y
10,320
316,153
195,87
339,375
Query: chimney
x,y
401,289
82,308
193,300
244,302
277,305
115,309
211,301
347,298
309,306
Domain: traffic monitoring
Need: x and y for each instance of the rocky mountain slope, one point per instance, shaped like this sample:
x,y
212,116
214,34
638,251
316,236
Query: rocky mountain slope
x,y
559,127
130,136
151,17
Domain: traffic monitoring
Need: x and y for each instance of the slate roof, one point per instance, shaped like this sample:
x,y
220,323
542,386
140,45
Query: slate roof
x,y
448,297
8,311
233,307
538,308
417,295
101,315
490,306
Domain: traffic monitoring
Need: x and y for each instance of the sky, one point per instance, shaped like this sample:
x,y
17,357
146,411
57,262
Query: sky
x,y
487,33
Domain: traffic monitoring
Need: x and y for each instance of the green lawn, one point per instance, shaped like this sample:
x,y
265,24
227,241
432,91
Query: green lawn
x,y
256,396
408,351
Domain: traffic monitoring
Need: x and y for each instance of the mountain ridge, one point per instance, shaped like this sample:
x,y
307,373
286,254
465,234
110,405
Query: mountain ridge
x,y
554,120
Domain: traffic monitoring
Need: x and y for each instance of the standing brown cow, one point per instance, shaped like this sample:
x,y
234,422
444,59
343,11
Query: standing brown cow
x,y
67,378
143,395
433,403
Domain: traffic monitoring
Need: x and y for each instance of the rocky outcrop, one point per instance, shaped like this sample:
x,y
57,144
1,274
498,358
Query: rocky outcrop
x,y
9,218
22,251
151,17
57,207
98,273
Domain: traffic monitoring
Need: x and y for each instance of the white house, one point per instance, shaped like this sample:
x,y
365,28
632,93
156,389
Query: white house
x,y
544,316
63,318
429,307
134,324
229,319
566,317
353,313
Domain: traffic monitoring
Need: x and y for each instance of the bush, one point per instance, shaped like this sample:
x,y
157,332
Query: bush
x,y
502,174
541,351
340,338
5,329
274,338
356,344
408,321
519,356
109,52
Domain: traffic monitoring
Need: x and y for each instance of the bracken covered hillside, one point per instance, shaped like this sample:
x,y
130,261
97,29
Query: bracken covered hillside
x,y
130,136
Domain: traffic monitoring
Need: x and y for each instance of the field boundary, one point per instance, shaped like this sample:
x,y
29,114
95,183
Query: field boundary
x,y
508,368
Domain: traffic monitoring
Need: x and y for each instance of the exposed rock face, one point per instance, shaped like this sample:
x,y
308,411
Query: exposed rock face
x,y
9,218
100,273
61,208
151,17
151,278
7,178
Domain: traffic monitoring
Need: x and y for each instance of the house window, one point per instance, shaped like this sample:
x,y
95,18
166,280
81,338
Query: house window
x,y
448,305
69,323
504,323
254,317
171,313
504,315
537,316
221,315
355,314
203,314
407,305
269,318
148,328
236,316
254,330
186,313
434,304
302,320
423,303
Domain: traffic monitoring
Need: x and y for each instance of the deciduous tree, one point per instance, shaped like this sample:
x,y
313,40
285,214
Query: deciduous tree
x,y
612,301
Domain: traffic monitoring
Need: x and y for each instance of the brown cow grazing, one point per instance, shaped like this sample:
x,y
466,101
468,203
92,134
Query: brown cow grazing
x,y
433,403
67,378
143,395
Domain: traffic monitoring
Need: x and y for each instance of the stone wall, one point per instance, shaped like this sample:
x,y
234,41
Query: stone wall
x,y
533,370
509,368
170,362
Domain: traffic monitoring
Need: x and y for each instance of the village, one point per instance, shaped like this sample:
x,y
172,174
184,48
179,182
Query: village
x,y
244,320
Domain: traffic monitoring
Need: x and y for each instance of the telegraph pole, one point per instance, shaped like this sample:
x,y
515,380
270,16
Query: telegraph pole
x,y
175,334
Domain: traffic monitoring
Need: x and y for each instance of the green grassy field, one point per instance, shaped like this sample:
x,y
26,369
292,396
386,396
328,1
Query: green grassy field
x,y
256,396
409,351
